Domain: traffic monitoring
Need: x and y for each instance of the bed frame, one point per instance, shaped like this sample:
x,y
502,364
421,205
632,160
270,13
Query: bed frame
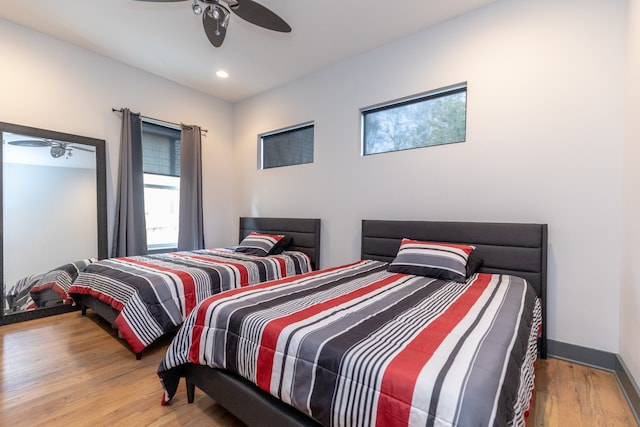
x,y
518,249
304,231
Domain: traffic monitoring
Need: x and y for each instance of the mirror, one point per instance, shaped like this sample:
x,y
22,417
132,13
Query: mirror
x,y
53,214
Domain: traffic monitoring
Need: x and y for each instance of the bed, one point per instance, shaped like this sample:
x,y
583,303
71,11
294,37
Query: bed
x,y
145,297
41,290
376,375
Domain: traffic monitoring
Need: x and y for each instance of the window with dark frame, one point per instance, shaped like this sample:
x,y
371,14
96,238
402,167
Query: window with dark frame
x,y
161,167
433,118
291,146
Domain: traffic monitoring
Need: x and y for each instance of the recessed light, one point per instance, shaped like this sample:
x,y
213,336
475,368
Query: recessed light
x,y
222,74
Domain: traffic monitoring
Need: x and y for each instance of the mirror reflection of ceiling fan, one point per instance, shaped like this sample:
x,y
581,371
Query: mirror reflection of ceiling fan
x,y
57,148
215,16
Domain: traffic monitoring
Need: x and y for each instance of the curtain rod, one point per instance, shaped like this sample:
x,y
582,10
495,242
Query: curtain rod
x,y
119,110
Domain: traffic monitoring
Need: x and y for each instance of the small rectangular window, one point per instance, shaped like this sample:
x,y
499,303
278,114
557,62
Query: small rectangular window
x,y
291,146
433,118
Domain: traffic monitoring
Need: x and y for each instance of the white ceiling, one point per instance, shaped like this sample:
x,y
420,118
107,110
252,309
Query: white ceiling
x,y
168,40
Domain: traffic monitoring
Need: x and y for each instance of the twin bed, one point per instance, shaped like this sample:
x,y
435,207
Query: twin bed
x,y
394,339
145,297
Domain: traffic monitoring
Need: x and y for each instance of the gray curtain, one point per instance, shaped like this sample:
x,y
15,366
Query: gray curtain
x,y
129,230
190,227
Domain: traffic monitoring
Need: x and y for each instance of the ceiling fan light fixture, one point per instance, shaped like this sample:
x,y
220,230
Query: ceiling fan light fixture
x,y
197,9
57,151
225,21
219,13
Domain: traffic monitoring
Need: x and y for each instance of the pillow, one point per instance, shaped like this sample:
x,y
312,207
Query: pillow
x,y
281,246
258,244
446,261
473,264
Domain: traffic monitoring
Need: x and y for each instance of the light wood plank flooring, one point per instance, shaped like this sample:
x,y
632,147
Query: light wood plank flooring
x,y
68,370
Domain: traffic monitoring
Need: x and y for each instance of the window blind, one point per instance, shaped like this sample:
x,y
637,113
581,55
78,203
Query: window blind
x,y
160,149
290,147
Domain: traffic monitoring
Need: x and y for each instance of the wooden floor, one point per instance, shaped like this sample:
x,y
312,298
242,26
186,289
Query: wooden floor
x,y
68,370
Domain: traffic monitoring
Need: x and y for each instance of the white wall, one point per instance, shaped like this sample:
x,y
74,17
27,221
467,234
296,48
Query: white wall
x,y
50,84
544,144
55,205
630,288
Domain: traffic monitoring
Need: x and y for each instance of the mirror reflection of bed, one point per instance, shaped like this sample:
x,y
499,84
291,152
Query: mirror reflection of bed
x,y
50,215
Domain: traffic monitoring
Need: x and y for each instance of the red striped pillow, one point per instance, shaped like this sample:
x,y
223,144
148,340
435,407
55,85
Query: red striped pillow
x,y
446,261
259,244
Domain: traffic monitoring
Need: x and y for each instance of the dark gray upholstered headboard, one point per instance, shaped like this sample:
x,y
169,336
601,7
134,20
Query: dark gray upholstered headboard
x,y
305,233
508,248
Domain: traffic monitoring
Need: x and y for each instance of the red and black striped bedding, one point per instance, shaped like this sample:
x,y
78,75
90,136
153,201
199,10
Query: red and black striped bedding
x,y
45,289
357,345
155,293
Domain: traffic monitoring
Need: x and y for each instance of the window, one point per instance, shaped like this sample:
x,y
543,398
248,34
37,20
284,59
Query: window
x,y
161,166
434,118
291,146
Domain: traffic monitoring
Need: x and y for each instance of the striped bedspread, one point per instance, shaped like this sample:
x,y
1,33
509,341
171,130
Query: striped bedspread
x,y
155,293
359,346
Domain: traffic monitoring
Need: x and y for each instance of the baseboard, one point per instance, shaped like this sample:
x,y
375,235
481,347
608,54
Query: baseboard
x,y
601,360
629,387
38,313
583,355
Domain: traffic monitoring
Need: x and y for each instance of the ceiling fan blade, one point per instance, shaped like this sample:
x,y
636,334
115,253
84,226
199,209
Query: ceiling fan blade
x,y
213,28
32,143
259,15
77,147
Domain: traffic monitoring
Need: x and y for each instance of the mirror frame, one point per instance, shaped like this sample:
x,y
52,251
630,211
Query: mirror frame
x,y
101,201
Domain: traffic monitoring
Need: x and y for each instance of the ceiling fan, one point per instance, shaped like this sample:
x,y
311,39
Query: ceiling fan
x,y
57,148
215,16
